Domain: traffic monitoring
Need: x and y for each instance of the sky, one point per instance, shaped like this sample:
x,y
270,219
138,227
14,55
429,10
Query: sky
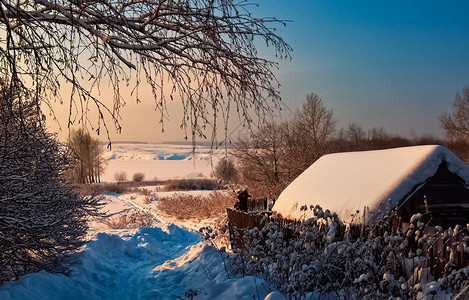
x,y
391,64
395,64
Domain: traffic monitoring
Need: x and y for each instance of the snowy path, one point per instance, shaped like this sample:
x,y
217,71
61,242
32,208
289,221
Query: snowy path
x,y
152,213
148,263
111,267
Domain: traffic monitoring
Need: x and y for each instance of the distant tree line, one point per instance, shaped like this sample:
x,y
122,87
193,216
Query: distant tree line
x,y
275,154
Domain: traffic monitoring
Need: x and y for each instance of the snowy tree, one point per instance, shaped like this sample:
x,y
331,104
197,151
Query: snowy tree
x,y
316,122
456,125
356,136
275,154
41,218
201,52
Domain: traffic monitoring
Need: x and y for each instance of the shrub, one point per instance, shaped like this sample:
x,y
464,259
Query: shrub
x,y
315,256
103,188
129,219
114,188
119,188
226,171
191,184
42,218
144,191
138,177
120,176
149,198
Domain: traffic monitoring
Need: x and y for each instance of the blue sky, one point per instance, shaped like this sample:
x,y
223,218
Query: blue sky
x,y
392,64
395,64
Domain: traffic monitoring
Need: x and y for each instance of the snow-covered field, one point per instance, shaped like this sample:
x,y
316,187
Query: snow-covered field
x,y
160,161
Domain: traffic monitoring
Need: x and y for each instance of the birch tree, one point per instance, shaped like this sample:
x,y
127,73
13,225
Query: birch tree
x,y
87,159
199,52
314,128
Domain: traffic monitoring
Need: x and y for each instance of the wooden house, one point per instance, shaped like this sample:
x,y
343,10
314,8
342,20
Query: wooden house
x,y
423,179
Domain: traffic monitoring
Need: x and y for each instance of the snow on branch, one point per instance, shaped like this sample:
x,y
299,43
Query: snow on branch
x,y
202,51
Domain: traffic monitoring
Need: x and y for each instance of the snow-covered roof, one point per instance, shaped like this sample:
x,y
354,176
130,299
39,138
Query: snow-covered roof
x,y
346,182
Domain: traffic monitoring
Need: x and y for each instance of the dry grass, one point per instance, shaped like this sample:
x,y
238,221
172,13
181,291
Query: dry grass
x,y
188,207
129,219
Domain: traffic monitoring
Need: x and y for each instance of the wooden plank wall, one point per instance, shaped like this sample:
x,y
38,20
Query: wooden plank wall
x,y
239,222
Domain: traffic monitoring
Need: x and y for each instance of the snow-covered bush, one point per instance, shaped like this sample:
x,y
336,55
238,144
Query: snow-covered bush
x,y
41,218
382,262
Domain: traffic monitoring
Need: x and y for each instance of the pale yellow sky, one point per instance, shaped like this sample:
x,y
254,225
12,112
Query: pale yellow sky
x,y
140,122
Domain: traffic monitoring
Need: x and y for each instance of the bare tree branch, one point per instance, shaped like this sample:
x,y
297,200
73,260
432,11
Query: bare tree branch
x,y
456,125
202,51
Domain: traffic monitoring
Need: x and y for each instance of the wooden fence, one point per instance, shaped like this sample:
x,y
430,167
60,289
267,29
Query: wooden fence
x,y
438,252
257,204
239,222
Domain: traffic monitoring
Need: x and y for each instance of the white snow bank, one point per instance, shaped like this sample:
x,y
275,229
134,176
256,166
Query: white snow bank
x,y
346,182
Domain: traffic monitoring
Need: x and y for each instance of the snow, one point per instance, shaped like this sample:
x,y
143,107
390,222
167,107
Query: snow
x,y
170,260
160,161
431,287
347,182
110,267
144,151
164,262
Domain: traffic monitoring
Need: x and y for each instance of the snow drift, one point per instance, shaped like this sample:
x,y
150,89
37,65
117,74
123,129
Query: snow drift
x,y
149,263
